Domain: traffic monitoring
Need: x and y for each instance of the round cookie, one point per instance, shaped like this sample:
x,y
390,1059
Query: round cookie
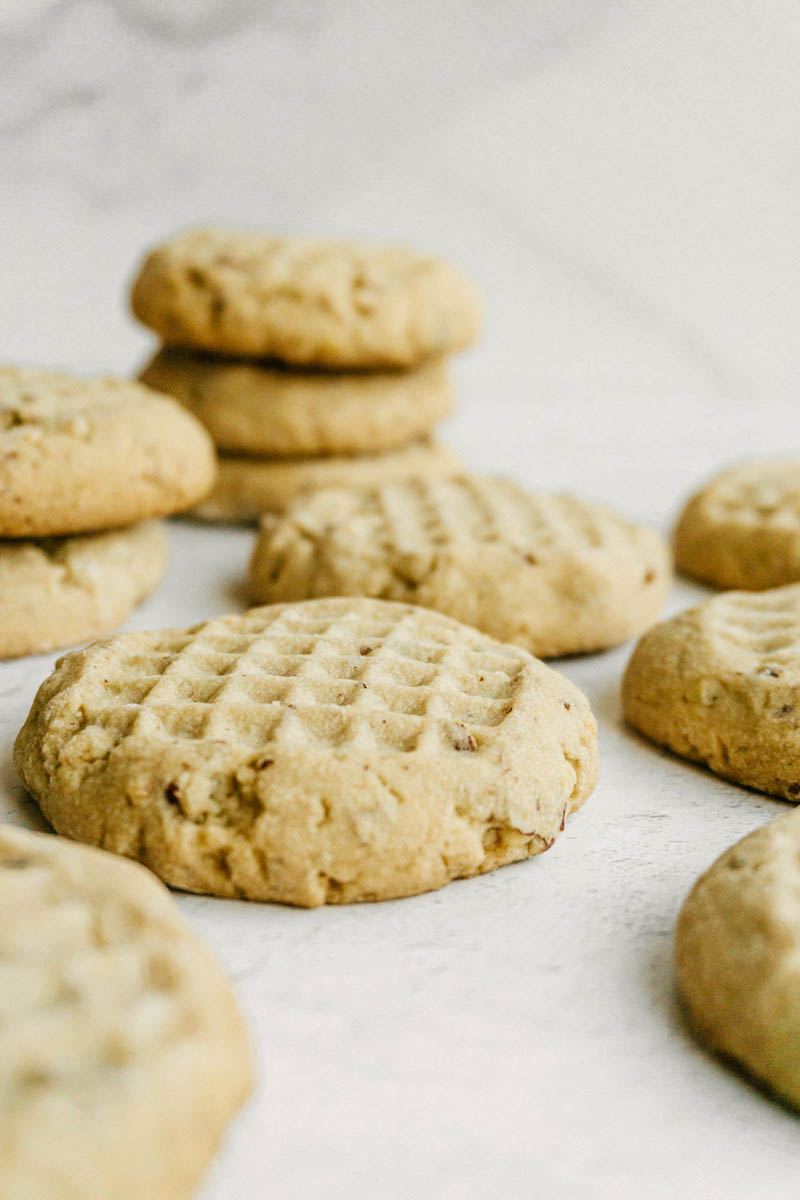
x,y
304,300
737,949
255,408
719,684
329,751
551,573
248,487
122,1052
84,454
63,590
742,530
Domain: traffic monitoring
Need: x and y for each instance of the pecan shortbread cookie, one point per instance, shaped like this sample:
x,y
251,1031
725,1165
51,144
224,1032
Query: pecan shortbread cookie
x,y
737,949
552,573
84,454
122,1053
304,300
330,751
262,409
720,683
248,487
58,591
742,530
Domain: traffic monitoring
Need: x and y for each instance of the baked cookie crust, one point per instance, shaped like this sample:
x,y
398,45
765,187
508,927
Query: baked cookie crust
x,y
323,752
304,300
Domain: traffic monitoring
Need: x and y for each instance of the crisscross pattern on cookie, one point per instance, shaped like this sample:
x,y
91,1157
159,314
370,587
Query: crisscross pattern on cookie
x,y
426,515
87,981
762,494
765,625
325,674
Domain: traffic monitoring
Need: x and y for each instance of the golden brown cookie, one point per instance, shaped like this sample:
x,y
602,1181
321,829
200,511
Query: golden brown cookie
x,y
720,684
264,409
304,300
552,573
122,1053
737,948
248,487
59,591
328,751
84,454
742,530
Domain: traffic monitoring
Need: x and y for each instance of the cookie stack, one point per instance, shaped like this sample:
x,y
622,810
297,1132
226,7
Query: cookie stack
x,y
85,464
312,363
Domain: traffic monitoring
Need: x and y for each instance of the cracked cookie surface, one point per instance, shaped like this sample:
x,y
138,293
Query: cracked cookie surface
x,y
737,950
143,454
719,684
552,573
742,530
328,751
257,408
58,591
304,300
248,487
122,1052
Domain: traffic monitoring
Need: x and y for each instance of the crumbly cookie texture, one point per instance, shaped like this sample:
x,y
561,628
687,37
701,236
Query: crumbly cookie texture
x,y
304,300
551,573
122,1052
248,487
742,530
737,948
85,454
720,683
329,751
258,408
58,591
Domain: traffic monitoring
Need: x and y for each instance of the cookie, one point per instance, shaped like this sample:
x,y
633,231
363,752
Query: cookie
x,y
720,683
122,1052
553,574
304,300
248,487
330,751
255,408
59,591
85,454
743,529
737,949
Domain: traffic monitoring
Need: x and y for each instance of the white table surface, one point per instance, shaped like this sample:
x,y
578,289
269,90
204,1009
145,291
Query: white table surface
x,y
621,178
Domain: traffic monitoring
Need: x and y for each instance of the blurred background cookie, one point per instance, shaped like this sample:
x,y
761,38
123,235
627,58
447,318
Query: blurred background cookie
x,y
123,1055
742,530
86,454
58,591
552,573
304,300
248,487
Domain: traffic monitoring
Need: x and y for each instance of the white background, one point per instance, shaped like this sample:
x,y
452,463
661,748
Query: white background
x,y
622,179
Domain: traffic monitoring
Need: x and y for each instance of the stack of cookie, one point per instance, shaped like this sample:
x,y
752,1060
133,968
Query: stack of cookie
x,y
312,363
85,464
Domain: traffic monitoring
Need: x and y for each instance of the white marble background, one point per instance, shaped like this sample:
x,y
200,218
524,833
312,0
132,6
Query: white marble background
x,y
623,179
